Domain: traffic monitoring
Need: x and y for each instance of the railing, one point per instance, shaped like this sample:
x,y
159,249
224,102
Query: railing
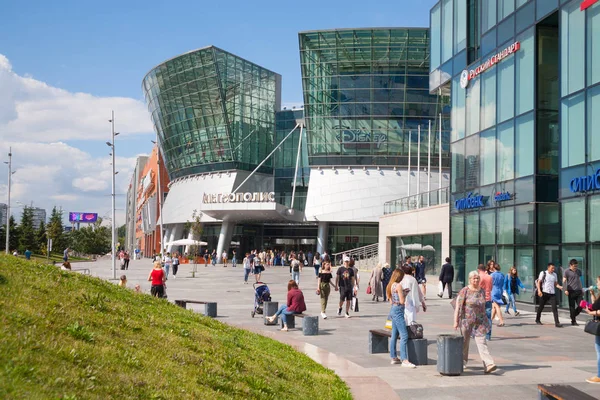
x,y
417,201
366,257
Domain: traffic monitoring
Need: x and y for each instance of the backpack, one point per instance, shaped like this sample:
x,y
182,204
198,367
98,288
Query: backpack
x,y
296,266
541,284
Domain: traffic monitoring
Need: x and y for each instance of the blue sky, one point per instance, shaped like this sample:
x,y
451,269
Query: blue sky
x,y
104,49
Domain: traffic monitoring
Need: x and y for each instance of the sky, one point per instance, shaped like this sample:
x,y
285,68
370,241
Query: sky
x,y
64,65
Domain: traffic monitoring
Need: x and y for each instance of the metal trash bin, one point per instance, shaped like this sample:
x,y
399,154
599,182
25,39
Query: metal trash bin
x,y
270,308
450,354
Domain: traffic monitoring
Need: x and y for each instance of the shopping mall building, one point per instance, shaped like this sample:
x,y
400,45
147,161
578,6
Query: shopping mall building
x,y
312,178
525,172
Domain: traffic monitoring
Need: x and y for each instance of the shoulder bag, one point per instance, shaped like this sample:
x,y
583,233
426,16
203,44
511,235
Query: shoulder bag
x,y
415,331
593,327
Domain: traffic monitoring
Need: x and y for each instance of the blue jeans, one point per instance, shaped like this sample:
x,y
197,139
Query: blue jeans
x,y
488,312
283,311
317,268
296,277
384,284
399,328
511,300
598,353
246,273
167,267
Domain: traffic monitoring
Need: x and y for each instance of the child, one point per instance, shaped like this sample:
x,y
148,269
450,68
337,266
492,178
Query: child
x,y
66,266
138,289
123,282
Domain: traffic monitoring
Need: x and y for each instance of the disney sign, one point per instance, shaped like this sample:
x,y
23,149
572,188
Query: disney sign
x,y
357,139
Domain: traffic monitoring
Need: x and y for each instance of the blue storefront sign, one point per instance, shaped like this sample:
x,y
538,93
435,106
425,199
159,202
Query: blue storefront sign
x,y
470,202
587,183
503,196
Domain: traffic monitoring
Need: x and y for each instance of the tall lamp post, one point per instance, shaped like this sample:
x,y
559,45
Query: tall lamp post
x,y
10,173
159,192
114,173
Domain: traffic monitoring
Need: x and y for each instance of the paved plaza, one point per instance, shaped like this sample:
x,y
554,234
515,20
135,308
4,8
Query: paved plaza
x,y
526,354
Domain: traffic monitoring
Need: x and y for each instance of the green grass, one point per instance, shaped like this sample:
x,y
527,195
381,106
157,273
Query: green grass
x,y
70,336
54,258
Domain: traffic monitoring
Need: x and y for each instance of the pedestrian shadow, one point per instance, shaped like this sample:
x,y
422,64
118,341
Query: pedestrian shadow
x,y
521,367
496,339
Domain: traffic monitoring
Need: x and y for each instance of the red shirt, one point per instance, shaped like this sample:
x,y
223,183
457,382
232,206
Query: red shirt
x,y
485,282
295,301
157,276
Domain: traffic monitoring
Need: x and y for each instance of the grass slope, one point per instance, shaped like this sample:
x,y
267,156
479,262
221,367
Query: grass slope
x,y
65,335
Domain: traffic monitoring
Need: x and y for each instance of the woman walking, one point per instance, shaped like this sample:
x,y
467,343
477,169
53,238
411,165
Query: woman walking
x,y
247,267
414,296
295,305
157,277
324,286
395,294
594,311
167,261
386,274
175,264
375,282
470,316
512,283
317,263
497,288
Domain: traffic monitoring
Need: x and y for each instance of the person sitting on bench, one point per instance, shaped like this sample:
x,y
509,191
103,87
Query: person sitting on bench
x,y
295,304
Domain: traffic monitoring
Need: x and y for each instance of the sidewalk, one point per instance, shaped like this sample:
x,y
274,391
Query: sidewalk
x,y
526,354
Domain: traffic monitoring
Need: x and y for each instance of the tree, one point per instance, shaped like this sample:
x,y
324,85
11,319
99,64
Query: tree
x,y
94,239
55,229
27,239
121,233
14,235
195,228
2,237
41,238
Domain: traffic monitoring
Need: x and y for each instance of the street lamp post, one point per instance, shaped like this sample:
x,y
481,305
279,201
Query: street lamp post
x,y
114,173
9,162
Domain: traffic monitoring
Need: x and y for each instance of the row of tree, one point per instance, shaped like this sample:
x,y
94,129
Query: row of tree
x,y
90,240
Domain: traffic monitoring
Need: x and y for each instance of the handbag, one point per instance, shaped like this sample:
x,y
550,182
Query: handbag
x,y
355,304
369,290
388,324
592,327
415,331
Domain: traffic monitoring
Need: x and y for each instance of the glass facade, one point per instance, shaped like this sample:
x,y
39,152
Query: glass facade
x,y
524,129
366,92
212,111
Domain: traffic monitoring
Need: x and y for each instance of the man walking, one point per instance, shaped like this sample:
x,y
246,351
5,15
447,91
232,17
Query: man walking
x,y
344,282
66,255
485,282
546,284
446,278
420,275
574,289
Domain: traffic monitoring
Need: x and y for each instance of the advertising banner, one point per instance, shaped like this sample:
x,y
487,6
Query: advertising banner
x,y
83,217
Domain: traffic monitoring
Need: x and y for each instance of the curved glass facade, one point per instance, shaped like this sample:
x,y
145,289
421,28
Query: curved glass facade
x,y
213,111
365,93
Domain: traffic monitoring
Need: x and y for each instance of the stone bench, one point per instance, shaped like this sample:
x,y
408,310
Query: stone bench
x,y
210,308
562,392
379,343
310,323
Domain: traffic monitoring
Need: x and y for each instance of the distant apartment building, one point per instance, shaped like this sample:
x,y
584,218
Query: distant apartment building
x,y
3,213
130,214
39,216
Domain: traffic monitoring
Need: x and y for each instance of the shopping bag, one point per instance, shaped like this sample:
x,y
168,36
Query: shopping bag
x,y
388,324
369,290
441,289
355,304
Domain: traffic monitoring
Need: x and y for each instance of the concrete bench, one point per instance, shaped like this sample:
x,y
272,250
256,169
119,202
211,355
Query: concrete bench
x,y
210,308
562,392
310,323
379,343
85,271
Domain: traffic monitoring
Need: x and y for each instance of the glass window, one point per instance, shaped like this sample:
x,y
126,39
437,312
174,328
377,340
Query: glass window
x,y
573,131
521,2
578,253
458,110
488,99
460,25
457,224
525,17
524,216
488,15
447,8
488,43
472,162
471,260
594,225
458,259
543,7
594,265
524,75
593,133
572,41
506,89
506,30
487,219
506,225
505,152
506,258
548,224
436,23
573,229
505,7
458,166
488,157
526,270
472,228
593,44
524,190
524,149
473,106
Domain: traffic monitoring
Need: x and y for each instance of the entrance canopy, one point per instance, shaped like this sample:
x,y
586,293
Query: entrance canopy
x,y
187,242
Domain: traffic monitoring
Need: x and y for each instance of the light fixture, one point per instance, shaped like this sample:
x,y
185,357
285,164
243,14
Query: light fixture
x,y
109,144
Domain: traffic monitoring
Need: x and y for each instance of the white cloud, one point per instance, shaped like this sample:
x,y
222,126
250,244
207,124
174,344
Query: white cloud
x,y
34,111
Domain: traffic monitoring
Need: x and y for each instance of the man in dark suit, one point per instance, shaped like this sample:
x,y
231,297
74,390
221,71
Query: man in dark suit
x,y
446,277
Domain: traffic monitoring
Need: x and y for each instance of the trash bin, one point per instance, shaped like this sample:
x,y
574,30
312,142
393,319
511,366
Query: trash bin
x,y
270,308
450,354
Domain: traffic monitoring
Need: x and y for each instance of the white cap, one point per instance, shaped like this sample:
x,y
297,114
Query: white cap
x,y
346,259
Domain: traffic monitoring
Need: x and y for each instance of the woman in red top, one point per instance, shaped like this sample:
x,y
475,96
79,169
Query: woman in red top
x,y
157,277
295,305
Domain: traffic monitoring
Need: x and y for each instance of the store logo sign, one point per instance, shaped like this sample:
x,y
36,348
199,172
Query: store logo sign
x,y
470,202
265,197
357,139
467,75
503,196
586,183
587,4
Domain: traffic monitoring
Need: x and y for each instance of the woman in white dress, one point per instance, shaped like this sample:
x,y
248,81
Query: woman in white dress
x,y
414,298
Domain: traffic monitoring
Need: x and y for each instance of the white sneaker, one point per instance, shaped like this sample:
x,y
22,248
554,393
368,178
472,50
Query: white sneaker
x,y
347,315
408,364
323,315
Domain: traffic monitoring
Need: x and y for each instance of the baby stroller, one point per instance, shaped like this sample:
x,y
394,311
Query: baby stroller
x,y
261,294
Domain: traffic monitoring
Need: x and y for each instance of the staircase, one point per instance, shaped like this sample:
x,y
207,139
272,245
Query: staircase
x,y
366,257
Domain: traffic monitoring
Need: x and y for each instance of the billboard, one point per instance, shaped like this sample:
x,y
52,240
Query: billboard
x,y
83,217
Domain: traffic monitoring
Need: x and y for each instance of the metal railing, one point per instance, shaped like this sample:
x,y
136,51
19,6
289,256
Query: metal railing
x,y
417,201
366,257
